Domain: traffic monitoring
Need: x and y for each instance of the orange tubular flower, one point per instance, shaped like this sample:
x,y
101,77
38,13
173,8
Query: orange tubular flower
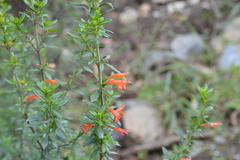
x,y
120,130
118,75
185,159
116,113
51,65
119,110
86,126
7,44
51,81
212,124
120,83
32,96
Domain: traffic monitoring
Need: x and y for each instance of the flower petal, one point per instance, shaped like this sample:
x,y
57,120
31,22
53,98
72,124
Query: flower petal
x,y
51,81
32,96
118,75
86,126
120,130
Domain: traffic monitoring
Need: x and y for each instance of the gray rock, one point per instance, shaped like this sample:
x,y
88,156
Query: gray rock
x,y
220,139
176,7
154,59
144,10
129,15
194,2
141,120
187,46
160,1
231,32
229,57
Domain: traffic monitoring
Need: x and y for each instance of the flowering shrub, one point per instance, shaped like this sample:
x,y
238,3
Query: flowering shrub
x,y
42,97
196,120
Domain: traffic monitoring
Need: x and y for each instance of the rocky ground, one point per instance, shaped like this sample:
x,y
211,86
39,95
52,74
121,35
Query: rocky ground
x,y
149,34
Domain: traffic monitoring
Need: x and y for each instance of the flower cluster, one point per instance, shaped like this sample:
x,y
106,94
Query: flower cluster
x,y
119,111
32,96
121,84
212,124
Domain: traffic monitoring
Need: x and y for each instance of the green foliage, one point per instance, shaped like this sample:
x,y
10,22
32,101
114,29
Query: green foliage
x,y
44,131
194,123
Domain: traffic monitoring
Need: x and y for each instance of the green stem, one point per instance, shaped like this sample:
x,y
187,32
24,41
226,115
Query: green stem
x,y
23,108
100,79
38,48
189,139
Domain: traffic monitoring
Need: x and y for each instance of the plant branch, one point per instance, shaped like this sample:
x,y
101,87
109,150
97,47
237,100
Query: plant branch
x,y
38,49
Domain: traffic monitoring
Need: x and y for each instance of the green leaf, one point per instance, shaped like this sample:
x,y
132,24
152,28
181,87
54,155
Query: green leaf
x,y
77,91
93,154
94,96
51,30
100,132
56,113
77,37
101,67
165,151
89,103
78,4
90,116
27,3
35,117
24,54
44,3
39,94
53,22
60,126
60,134
87,69
113,68
50,36
45,142
178,133
58,94
62,102
91,60
22,17
209,108
35,124
89,140
104,21
8,81
115,143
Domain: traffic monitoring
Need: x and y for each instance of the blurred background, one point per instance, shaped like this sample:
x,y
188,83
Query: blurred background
x,y
168,46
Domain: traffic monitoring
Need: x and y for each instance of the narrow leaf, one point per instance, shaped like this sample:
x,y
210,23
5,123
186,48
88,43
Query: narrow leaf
x,y
45,142
35,117
113,68
93,154
62,102
60,134
78,4
94,96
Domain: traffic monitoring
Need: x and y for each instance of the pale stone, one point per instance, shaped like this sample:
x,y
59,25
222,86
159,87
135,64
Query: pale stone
x,y
186,46
217,44
160,1
194,2
176,7
144,10
129,15
229,57
231,32
141,120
